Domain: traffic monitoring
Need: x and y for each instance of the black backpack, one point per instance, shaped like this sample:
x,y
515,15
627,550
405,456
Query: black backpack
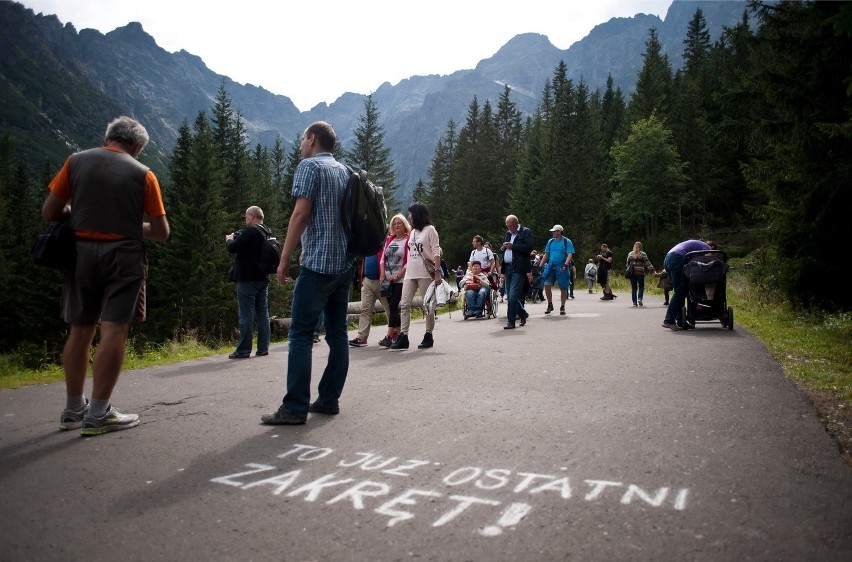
x,y
270,252
364,215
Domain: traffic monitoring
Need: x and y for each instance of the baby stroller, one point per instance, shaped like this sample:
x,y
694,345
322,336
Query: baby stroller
x,y
704,280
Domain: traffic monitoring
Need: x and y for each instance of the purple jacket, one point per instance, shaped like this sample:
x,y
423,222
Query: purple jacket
x,y
689,246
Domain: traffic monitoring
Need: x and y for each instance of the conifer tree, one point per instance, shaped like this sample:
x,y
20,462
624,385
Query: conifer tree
x,y
730,62
370,153
440,170
420,192
30,321
193,264
509,132
801,143
690,118
525,194
472,179
228,137
653,85
614,128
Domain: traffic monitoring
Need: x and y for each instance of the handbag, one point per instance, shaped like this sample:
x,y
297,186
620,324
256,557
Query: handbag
x,y
628,272
57,248
386,288
430,266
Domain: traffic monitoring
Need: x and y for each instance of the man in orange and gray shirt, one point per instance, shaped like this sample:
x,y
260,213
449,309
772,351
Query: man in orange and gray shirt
x,y
105,192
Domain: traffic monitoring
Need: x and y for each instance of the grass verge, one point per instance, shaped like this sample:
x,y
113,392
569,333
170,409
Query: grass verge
x,y
813,347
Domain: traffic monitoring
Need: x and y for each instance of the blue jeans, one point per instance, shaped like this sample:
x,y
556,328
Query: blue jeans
x,y
514,289
253,301
674,267
476,300
317,293
637,284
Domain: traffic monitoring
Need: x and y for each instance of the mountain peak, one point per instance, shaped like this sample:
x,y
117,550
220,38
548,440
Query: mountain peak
x,y
133,35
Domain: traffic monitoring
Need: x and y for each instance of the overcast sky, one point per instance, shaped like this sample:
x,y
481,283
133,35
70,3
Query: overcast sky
x,y
313,52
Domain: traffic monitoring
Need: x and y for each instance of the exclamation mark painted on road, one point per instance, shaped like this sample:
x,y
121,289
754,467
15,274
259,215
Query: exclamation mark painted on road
x,y
680,500
512,516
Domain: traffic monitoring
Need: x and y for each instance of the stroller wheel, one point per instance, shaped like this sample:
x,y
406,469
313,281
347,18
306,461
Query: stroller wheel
x,y
686,319
730,318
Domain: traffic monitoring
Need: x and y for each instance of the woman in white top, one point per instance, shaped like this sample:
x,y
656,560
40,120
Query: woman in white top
x,y
423,244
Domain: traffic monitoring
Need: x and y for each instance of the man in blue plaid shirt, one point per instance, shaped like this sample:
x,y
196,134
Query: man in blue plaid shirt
x,y
323,284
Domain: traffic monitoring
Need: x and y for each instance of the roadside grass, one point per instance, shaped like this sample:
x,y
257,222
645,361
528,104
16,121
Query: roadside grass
x,y
14,374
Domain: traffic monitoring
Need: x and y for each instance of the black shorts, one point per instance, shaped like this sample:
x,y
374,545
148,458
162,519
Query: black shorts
x,y
106,282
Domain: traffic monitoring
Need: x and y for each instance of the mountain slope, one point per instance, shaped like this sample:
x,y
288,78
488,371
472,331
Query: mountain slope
x,y
126,71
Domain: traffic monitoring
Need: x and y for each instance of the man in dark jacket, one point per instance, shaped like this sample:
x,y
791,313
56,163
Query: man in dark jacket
x,y
252,283
517,246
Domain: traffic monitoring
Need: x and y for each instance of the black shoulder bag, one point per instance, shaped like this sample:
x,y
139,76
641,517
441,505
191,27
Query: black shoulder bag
x,y
57,248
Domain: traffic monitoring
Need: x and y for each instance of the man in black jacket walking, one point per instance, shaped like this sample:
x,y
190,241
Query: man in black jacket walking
x,y
252,283
517,246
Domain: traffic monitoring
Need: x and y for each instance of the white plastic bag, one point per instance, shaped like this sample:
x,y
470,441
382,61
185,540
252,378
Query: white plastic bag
x,y
439,295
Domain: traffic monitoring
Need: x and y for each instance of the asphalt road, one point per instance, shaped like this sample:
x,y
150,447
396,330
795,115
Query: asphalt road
x,y
596,436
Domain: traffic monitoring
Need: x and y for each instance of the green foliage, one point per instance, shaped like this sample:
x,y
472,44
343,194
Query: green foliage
x,y
650,182
748,144
29,295
812,345
654,83
801,142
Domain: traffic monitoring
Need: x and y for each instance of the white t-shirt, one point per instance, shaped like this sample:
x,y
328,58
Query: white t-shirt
x,y
483,256
422,243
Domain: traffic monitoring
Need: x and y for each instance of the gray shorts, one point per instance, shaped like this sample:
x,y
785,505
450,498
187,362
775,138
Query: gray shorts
x,y
106,282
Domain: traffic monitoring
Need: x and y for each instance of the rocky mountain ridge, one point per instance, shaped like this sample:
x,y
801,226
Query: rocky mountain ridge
x,y
131,72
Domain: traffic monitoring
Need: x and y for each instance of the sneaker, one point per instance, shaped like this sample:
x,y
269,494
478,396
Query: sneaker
x,y
635,305
113,420
261,353
357,342
524,320
509,327
549,308
561,311
239,355
318,408
400,343
640,303
385,342
73,419
672,326
571,296
282,416
427,341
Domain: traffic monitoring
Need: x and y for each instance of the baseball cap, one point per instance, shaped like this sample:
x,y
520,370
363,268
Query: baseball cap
x,y
557,227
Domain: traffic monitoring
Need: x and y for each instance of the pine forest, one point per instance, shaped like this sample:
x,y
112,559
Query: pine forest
x,y
747,144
